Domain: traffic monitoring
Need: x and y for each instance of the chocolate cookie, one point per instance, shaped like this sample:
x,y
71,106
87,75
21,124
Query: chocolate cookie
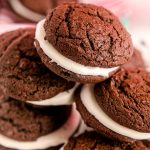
x,y
82,42
94,141
27,127
25,77
29,10
118,107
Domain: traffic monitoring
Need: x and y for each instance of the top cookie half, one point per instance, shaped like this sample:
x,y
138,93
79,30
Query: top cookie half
x,y
82,42
23,74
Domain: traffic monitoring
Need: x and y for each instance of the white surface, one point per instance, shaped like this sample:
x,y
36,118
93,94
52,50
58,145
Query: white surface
x,y
24,11
64,98
55,138
11,27
142,35
63,61
89,101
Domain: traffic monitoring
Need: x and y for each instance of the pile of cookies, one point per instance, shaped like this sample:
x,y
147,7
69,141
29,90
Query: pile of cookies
x,y
25,81
79,56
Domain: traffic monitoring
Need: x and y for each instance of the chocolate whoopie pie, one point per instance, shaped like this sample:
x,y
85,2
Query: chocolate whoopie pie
x,y
25,127
30,10
25,77
119,107
82,42
94,141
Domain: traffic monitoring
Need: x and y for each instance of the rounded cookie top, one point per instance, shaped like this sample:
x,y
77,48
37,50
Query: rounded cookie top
x,y
118,107
23,122
22,72
126,98
94,141
93,33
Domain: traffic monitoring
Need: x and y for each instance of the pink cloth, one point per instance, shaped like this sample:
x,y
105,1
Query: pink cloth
x,y
119,7
6,22
12,26
4,18
4,15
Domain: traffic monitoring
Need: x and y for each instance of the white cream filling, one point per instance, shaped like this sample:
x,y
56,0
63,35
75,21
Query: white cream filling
x,y
53,139
89,101
64,98
65,62
24,11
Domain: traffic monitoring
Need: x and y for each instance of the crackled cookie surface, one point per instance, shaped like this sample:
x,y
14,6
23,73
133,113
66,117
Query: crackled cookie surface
x,y
118,107
83,42
94,141
23,74
24,126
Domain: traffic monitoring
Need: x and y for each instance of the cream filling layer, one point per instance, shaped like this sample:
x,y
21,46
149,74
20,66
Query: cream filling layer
x,y
53,139
64,98
89,101
24,11
65,62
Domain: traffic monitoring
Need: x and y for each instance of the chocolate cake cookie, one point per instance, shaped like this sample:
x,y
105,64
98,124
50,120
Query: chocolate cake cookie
x,y
119,107
30,10
82,42
25,77
94,141
23,126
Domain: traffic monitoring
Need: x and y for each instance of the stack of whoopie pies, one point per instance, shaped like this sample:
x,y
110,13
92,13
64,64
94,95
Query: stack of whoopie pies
x,y
80,56
36,111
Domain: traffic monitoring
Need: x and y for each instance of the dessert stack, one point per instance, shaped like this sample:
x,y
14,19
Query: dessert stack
x,y
36,111
77,64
